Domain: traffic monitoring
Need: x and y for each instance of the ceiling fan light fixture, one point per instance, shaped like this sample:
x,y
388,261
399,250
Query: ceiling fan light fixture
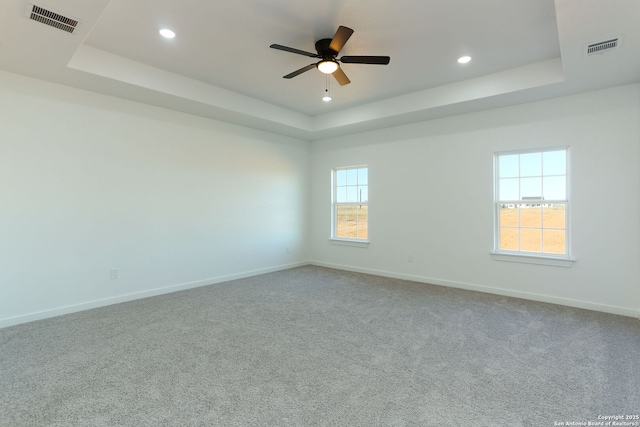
x,y
327,67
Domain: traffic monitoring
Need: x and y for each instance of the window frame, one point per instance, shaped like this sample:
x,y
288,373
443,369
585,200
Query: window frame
x,y
533,257
341,240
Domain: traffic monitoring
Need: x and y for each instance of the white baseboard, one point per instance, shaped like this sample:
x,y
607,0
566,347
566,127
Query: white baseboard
x,y
59,311
486,289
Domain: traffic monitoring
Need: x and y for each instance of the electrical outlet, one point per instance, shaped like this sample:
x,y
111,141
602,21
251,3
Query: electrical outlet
x,y
410,258
114,273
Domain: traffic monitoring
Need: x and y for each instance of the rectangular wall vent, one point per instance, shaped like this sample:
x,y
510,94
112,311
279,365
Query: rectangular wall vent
x,y
52,19
602,47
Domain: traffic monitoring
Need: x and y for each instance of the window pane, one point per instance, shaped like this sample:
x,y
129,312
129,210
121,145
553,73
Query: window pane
x,y
531,164
532,202
555,187
509,189
530,240
509,239
530,188
554,163
341,229
554,241
363,194
352,230
352,177
346,213
508,216
508,166
350,197
363,214
530,216
363,176
352,194
554,216
341,213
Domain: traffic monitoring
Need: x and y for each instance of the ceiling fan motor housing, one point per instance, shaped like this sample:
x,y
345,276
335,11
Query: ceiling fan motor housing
x,y
322,47
328,64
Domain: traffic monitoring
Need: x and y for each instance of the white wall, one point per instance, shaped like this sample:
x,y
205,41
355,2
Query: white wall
x,y
89,183
431,192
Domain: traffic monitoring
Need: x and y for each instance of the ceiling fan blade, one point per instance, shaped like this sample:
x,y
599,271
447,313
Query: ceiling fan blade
x,y
294,50
300,71
341,77
382,60
341,37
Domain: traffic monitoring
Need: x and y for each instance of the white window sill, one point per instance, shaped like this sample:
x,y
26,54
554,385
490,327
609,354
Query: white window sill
x,y
533,259
349,242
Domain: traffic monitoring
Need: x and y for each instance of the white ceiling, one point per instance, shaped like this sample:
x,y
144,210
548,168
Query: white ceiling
x,y
220,64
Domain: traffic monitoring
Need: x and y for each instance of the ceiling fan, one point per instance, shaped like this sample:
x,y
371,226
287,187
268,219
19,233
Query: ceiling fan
x,y
327,51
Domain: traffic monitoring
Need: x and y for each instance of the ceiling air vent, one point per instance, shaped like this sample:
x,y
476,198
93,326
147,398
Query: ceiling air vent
x,y
602,47
52,19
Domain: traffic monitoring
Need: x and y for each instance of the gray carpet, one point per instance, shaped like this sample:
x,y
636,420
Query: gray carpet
x,y
318,347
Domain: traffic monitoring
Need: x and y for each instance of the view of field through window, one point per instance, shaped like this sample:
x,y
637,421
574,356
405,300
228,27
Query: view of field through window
x,y
533,229
532,202
351,195
352,222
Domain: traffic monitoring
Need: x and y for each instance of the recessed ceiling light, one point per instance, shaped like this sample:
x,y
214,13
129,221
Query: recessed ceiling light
x,y
326,98
464,59
166,33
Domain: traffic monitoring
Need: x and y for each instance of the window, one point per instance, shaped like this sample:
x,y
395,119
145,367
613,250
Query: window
x,y
532,203
350,198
